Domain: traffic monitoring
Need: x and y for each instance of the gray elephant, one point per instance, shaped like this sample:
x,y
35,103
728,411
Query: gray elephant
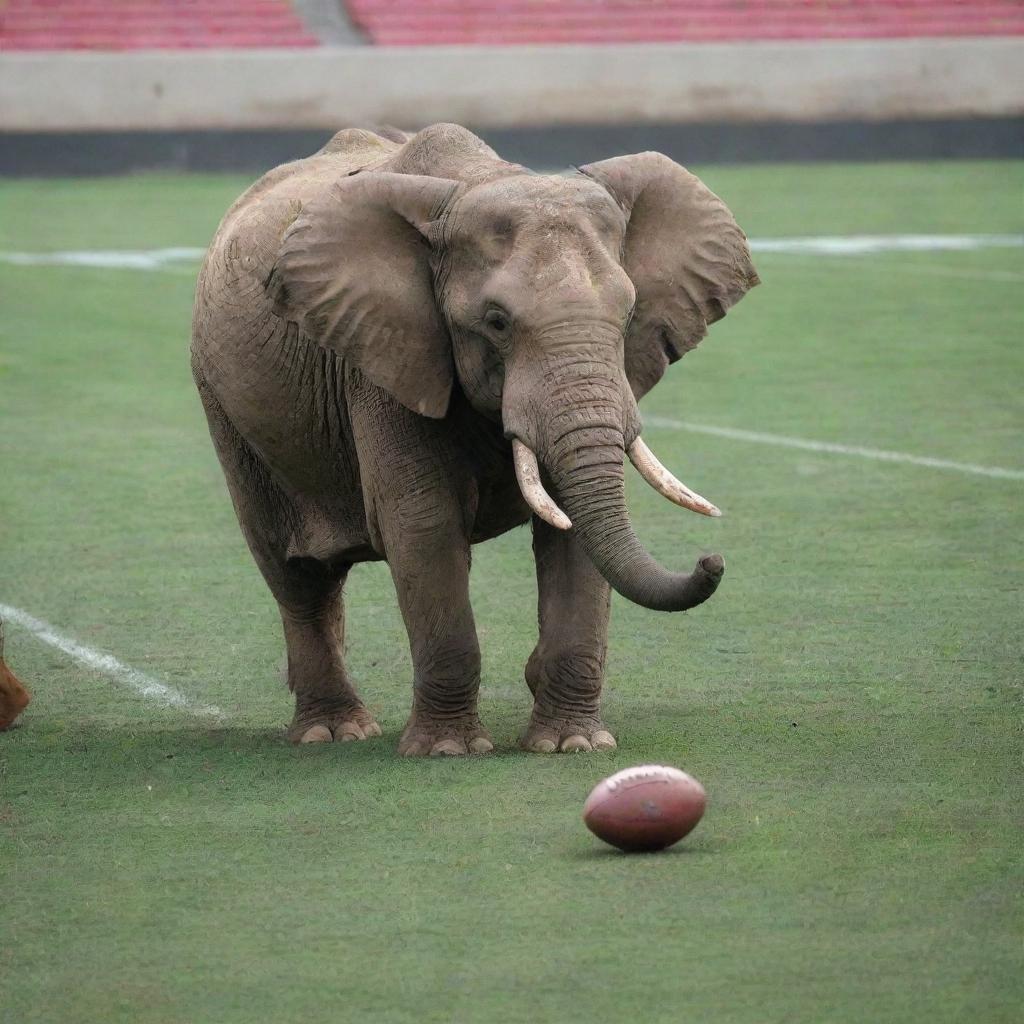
x,y
405,345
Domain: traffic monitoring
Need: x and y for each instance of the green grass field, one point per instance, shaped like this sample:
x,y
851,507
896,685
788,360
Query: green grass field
x,y
851,697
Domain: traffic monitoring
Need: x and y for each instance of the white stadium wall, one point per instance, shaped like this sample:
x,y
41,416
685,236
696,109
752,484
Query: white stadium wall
x,y
328,87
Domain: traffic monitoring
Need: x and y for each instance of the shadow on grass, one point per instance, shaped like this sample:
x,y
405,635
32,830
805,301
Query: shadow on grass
x,y
686,847
269,741
96,758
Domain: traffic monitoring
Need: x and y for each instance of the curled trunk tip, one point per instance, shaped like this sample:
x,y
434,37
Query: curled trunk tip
x,y
713,565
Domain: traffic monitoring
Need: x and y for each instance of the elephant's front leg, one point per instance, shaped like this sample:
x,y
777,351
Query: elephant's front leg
x,y
432,581
420,507
566,670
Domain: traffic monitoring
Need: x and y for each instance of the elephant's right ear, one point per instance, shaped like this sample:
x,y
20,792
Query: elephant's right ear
x,y
353,270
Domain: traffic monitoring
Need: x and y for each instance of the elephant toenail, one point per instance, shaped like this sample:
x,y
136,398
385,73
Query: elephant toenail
x,y
316,734
602,740
481,745
576,744
544,746
447,748
373,729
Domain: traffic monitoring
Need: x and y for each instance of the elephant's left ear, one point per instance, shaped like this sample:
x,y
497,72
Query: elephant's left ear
x,y
685,254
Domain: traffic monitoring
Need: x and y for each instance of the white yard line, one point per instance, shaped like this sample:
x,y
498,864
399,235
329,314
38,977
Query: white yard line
x,y
864,245
107,664
104,259
841,245
881,265
879,454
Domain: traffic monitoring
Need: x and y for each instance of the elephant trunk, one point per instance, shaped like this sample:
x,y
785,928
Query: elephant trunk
x,y
578,416
586,468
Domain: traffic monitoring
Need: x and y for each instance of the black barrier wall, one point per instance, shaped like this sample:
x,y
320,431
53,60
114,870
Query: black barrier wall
x,y
25,154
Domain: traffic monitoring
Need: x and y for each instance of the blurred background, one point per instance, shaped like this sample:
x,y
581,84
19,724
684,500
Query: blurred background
x,y
851,697
100,86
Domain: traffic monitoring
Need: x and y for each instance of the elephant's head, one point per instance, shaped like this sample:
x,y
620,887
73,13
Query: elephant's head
x,y
554,301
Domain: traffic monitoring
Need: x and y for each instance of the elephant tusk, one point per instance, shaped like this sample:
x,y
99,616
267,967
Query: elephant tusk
x,y
528,476
665,483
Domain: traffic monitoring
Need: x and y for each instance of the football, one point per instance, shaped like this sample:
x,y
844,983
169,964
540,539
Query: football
x,y
647,807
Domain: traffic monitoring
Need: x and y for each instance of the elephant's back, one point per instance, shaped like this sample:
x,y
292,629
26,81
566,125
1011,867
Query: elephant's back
x,y
258,218
260,215
244,248
349,150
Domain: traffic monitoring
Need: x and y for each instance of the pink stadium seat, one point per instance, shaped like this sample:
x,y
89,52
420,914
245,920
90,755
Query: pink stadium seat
x,y
189,24
447,22
149,24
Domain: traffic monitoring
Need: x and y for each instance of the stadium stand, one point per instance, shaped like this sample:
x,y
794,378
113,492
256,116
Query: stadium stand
x,y
149,24
193,24
506,22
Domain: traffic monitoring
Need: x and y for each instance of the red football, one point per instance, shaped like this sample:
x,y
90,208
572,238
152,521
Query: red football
x,y
645,808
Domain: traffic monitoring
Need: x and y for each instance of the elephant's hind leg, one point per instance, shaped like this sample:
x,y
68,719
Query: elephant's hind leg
x,y
308,593
566,669
327,706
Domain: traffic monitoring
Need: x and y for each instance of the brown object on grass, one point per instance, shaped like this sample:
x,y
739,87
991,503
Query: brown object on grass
x,y
645,808
14,698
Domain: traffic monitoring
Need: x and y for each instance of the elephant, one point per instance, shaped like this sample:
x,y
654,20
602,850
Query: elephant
x,y
405,345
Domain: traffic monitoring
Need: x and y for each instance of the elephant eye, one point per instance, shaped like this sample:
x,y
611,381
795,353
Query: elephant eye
x,y
497,320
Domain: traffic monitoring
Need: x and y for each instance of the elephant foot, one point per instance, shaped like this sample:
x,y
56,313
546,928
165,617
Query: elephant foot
x,y
571,734
444,737
338,725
